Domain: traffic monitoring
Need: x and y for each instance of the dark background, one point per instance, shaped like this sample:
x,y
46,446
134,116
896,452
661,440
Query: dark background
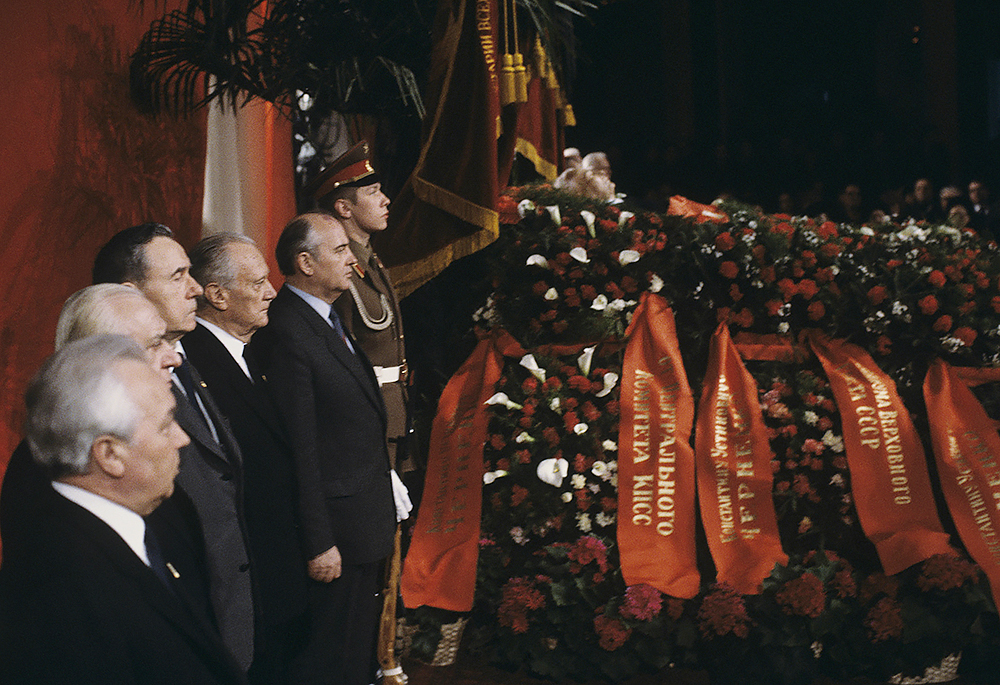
x,y
758,97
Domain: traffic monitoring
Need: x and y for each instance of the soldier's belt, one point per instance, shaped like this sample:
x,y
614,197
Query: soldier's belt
x,y
390,374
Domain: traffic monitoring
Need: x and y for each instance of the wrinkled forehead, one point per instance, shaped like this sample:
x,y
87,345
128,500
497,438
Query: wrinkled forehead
x,y
164,257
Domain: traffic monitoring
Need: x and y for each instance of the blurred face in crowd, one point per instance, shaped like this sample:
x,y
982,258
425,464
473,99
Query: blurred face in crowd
x,y
169,286
922,190
978,194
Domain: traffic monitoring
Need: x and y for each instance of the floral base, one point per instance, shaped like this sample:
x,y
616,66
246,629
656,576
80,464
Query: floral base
x,y
945,672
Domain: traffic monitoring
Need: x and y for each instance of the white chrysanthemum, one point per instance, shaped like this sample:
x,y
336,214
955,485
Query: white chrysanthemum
x,y
566,497
578,481
604,520
617,305
810,417
555,405
517,535
609,446
655,284
834,442
783,327
838,480
599,469
583,522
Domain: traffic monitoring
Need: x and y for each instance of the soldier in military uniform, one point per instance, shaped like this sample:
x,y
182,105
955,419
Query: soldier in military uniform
x,y
350,190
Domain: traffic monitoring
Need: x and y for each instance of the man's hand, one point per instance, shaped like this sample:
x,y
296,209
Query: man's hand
x,y
326,566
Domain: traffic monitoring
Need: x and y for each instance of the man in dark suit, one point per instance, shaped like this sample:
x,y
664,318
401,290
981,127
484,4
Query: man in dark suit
x,y
97,599
211,472
329,397
95,310
237,294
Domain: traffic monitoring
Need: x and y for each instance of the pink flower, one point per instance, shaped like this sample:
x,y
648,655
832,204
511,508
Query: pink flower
x,y
642,602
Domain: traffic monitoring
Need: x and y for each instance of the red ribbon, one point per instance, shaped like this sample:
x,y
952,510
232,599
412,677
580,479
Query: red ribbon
x,y
656,486
734,472
891,486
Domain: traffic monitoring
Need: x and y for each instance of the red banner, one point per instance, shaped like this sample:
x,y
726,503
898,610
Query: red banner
x,y
734,472
892,489
440,567
967,449
656,520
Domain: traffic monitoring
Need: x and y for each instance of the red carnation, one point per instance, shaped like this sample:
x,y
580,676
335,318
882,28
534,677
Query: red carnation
x,y
936,278
928,305
816,311
728,269
807,288
827,229
943,324
883,345
966,335
744,318
877,295
772,307
788,288
723,611
612,632
884,621
724,242
802,596
642,602
517,495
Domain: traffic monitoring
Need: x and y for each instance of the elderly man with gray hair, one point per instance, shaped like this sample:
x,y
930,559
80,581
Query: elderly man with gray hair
x,y
97,597
95,310
234,305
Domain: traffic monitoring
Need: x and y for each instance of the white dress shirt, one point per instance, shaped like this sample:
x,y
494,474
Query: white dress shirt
x,y
233,345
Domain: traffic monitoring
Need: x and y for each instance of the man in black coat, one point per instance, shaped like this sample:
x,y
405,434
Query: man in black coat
x,y
327,392
98,598
211,472
237,294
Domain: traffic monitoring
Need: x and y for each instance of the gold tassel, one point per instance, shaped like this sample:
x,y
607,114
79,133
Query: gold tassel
x,y
569,119
520,77
508,81
392,671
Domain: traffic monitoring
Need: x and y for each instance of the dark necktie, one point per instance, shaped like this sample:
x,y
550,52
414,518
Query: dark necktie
x,y
339,327
187,382
156,561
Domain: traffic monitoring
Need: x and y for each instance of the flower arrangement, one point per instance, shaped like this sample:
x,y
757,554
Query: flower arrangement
x,y
568,276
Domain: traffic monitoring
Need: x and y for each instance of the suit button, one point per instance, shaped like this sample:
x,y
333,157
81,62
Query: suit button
x,y
244,567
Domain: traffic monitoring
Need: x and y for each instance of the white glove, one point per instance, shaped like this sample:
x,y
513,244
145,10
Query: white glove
x,y
401,496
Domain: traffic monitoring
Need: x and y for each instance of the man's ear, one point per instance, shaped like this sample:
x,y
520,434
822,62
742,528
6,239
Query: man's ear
x,y
217,296
304,262
131,284
342,207
109,454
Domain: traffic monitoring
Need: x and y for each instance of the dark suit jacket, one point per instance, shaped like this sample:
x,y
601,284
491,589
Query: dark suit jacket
x,y
269,488
331,403
81,607
211,473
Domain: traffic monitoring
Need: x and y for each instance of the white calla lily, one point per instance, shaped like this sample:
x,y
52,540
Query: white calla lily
x,y
580,255
580,428
551,294
554,213
529,362
600,303
523,437
555,404
491,476
628,257
538,260
525,207
588,218
501,398
585,359
552,471
624,217
610,381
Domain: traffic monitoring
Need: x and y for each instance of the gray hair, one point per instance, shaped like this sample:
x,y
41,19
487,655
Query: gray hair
x,y
77,396
94,310
297,237
210,262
